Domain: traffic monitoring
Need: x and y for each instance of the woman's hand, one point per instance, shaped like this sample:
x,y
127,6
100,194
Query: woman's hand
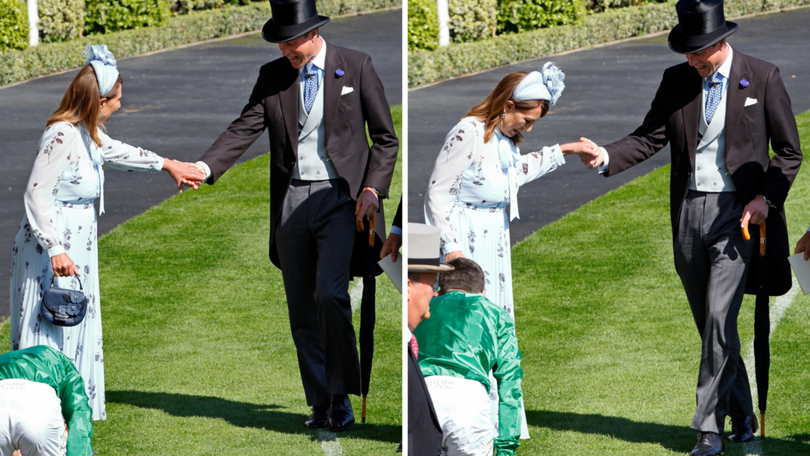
x,y
188,174
63,266
453,255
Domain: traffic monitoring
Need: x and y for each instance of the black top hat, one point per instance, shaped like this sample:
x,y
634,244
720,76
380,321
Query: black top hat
x,y
700,25
291,19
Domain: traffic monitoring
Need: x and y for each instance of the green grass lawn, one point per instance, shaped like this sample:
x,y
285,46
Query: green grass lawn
x,y
610,350
198,353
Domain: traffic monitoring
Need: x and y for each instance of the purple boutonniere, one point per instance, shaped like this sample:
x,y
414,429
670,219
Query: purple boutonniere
x,y
340,73
743,83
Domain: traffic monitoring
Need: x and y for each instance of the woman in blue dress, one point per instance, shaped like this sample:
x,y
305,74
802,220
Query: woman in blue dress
x,y
479,170
58,233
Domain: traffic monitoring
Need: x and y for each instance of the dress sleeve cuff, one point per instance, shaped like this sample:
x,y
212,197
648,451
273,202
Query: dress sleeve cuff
x,y
159,165
447,248
53,251
396,230
558,154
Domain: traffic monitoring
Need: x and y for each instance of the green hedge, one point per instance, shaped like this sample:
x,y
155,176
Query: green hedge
x,y
423,25
472,20
104,16
426,67
515,16
45,59
60,20
13,25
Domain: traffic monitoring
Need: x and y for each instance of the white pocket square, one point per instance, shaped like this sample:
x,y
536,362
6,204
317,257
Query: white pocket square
x,y
351,89
750,101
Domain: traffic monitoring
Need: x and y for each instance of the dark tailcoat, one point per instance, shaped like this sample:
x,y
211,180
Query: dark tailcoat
x,y
273,105
424,431
674,118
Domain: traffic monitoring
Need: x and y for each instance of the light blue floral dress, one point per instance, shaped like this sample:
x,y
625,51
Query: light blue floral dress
x,y
60,217
472,184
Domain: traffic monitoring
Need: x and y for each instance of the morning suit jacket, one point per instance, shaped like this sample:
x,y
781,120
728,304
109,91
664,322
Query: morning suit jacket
x,y
353,96
674,117
424,430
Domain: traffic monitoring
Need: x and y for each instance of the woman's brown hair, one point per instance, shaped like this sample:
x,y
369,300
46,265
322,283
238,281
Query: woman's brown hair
x,y
489,111
81,102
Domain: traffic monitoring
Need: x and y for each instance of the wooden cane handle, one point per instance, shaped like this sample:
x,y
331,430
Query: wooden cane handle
x,y
762,239
745,233
371,224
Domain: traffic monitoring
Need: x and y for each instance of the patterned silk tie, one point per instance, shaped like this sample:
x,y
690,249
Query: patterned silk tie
x,y
714,95
310,86
414,347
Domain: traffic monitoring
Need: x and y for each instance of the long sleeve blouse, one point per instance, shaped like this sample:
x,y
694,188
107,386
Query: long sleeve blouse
x,y
473,173
68,170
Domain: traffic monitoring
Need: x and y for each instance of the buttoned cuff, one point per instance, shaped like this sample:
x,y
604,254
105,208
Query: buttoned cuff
x,y
606,165
56,250
396,230
206,169
558,154
447,248
158,165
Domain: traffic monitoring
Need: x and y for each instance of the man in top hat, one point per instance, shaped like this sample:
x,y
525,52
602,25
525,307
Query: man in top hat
x,y
424,244
719,111
316,102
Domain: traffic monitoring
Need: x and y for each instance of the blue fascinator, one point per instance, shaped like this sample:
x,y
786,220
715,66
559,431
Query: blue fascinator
x,y
545,84
104,64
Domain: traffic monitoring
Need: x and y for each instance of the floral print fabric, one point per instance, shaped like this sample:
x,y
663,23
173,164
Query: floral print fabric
x,y
60,217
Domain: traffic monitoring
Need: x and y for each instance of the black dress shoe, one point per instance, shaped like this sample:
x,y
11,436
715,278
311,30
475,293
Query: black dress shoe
x,y
341,416
318,419
708,444
743,429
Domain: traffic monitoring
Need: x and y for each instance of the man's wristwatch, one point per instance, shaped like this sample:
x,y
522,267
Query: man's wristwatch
x,y
768,202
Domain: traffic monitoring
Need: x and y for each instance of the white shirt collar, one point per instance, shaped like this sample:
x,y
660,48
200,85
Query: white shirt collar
x,y
319,60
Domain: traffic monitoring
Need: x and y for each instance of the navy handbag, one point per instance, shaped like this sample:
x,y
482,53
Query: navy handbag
x,y
62,306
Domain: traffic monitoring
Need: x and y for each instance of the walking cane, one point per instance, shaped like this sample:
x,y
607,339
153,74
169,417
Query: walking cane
x,y
368,316
761,326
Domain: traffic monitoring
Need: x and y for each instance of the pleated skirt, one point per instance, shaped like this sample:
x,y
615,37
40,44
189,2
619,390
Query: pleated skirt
x,y
31,274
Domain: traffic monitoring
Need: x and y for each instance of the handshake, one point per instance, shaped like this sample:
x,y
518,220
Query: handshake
x,y
589,153
185,174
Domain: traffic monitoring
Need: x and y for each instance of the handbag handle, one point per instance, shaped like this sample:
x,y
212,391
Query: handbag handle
x,y
77,278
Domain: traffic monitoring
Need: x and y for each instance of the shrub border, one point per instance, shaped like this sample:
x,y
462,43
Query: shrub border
x,y
428,67
45,59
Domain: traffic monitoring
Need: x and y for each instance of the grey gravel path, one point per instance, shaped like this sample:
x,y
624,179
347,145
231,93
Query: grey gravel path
x,y
608,91
175,103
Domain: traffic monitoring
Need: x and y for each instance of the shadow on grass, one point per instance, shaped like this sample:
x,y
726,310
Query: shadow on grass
x,y
680,439
245,414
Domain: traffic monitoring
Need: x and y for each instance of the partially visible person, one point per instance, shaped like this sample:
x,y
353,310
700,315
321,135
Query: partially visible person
x,y
804,245
394,241
57,239
424,430
466,337
44,409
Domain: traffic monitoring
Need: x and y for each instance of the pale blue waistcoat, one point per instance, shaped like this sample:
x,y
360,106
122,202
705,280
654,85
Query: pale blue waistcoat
x,y
710,173
313,162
